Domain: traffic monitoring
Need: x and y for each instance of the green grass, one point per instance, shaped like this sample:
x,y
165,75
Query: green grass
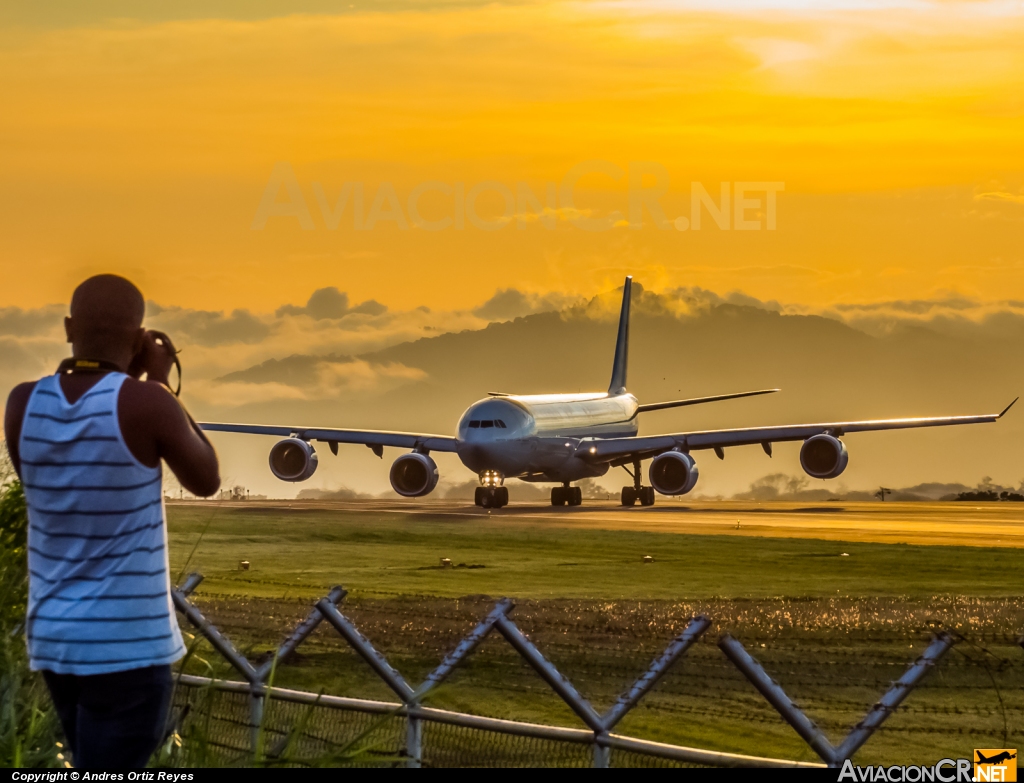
x,y
304,552
833,630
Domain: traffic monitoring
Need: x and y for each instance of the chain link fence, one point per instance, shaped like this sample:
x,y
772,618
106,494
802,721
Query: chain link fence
x,y
227,721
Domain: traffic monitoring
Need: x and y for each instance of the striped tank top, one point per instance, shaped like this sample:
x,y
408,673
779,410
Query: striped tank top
x,y
99,588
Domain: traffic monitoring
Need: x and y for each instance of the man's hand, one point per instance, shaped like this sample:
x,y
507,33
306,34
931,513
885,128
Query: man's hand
x,y
155,359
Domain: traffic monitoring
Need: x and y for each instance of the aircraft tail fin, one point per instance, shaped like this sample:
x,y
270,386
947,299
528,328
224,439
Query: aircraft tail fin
x,y
618,382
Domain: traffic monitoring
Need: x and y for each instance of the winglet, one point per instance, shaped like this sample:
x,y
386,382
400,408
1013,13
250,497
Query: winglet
x,y
1007,408
618,382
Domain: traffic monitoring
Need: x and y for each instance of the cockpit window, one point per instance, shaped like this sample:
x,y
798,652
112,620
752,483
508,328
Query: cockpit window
x,y
486,424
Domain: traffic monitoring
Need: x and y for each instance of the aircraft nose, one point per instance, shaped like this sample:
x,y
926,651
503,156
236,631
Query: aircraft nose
x,y
478,456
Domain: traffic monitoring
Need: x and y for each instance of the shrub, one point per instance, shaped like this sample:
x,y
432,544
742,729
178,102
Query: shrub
x,y
29,730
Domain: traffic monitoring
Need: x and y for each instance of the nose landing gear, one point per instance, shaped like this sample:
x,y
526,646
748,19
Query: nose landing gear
x,y
566,496
630,495
491,497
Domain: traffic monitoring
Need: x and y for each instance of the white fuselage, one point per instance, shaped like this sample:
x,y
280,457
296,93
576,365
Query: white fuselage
x,y
534,437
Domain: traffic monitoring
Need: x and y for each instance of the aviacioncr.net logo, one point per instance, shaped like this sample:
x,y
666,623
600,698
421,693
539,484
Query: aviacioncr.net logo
x,y
945,771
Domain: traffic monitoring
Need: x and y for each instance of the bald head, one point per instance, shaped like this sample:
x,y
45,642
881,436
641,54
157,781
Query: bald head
x,y
108,300
106,319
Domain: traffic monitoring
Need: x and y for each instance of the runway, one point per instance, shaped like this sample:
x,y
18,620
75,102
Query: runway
x,y
997,524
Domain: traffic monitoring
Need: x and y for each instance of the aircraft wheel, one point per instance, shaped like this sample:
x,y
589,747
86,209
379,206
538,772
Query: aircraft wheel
x,y
502,493
647,496
478,496
575,496
628,496
558,497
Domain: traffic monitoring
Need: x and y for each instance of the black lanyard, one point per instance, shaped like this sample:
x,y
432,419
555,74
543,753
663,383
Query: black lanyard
x,y
72,365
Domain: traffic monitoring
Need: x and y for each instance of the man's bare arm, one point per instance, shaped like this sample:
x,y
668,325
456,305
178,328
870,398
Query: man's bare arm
x,y
17,402
155,426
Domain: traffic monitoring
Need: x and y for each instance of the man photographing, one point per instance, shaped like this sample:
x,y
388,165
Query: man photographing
x,y
87,444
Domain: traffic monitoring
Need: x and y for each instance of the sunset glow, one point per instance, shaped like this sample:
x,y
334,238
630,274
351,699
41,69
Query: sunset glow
x,y
143,145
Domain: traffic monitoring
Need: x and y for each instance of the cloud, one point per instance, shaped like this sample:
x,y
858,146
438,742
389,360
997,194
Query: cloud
x,y
912,306
295,370
238,357
27,358
330,303
949,315
231,395
29,355
510,303
697,298
23,323
1001,195
306,377
207,327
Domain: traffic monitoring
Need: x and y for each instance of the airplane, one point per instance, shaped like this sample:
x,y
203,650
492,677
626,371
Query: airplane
x,y
1004,756
563,438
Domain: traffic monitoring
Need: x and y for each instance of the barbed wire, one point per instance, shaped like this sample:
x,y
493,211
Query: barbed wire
x,y
835,674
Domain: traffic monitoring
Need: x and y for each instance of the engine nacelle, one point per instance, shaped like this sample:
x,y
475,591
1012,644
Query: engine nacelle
x,y
823,456
414,475
673,473
293,459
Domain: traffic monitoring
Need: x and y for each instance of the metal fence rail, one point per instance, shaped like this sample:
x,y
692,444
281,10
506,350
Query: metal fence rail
x,y
411,727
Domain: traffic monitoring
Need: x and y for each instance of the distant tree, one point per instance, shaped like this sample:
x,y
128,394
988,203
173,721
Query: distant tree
x,y
1013,497
882,492
981,495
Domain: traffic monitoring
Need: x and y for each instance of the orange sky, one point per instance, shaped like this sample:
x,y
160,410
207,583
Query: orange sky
x,y
143,144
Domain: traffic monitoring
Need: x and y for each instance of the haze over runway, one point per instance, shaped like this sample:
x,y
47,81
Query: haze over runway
x,y
939,524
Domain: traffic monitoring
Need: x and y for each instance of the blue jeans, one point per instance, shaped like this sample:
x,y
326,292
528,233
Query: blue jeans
x,y
113,721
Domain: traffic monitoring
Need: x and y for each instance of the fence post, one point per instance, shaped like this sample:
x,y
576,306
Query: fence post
x,y
644,683
659,666
255,676
300,634
191,582
464,648
894,697
256,704
414,741
554,678
366,650
777,697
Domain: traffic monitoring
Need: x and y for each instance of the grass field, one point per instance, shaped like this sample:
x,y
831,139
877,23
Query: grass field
x,y
834,621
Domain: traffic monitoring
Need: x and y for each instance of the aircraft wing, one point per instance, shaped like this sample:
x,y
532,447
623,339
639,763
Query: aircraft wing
x,y
619,451
372,438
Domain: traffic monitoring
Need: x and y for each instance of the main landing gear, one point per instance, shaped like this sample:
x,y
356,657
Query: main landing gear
x,y
491,497
630,495
566,496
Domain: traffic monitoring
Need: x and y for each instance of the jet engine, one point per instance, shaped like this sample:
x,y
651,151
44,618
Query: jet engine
x,y
414,475
293,459
673,473
824,456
